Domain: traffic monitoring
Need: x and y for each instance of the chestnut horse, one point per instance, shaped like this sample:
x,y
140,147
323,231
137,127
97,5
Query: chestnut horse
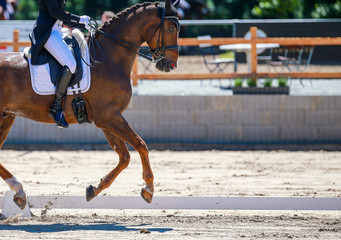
x,y
110,91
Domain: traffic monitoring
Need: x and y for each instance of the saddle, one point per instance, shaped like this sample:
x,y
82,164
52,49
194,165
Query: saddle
x,y
55,68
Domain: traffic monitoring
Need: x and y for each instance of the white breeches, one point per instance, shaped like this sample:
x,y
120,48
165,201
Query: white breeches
x,y
58,49
184,4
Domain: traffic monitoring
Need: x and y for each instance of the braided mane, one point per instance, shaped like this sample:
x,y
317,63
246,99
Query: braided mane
x,y
118,17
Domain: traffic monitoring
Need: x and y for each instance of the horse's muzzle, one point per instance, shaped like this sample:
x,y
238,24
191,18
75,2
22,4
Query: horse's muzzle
x,y
166,66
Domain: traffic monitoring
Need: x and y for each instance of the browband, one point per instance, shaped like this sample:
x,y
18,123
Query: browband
x,y
161,12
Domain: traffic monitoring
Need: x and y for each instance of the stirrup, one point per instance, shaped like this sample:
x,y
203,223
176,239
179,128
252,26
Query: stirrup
x,y
58,117
62,123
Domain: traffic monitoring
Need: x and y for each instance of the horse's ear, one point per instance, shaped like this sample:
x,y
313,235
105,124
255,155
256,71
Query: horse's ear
x,y
168,6
176,3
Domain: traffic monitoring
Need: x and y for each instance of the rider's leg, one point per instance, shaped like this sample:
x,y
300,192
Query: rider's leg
x,y
56,111
58,49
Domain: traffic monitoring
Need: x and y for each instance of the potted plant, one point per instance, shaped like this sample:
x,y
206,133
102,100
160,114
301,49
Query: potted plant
x,y
251,82
282,82
267,82
267,87
250,89
238,82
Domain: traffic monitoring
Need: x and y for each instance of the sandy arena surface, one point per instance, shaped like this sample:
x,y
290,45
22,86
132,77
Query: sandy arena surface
x,y
177,173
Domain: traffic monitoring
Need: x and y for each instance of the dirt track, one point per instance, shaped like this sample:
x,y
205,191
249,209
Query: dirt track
x,y
191,173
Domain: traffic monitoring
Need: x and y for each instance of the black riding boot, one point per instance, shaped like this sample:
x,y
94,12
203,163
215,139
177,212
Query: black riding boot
x,y
56,111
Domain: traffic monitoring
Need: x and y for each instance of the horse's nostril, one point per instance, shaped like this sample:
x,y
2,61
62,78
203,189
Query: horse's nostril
x,y
172,66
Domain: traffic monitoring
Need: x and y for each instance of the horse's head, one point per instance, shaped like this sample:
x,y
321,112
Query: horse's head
x,y
162,36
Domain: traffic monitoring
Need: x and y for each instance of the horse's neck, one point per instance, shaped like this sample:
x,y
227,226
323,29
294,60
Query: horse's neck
x,y
130,33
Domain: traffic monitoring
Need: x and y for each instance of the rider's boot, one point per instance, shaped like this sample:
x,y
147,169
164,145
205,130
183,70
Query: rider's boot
x,y
56,111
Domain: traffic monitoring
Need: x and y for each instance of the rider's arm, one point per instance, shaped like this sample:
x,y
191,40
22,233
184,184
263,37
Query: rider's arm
x,y
56,12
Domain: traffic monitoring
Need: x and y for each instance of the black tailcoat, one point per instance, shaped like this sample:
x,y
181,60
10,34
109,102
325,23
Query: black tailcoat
x,y
49,12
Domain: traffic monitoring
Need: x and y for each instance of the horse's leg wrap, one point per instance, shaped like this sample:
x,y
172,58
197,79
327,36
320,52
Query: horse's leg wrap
x,y
12,182
20,196
57,111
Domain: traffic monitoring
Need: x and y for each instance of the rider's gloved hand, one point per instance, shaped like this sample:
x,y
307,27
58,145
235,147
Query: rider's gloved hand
x,y
85,20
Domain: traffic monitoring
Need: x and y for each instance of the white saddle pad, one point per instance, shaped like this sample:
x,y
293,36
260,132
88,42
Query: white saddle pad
x,y
41,80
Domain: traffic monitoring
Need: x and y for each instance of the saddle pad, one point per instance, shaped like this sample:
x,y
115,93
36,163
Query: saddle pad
x,y
41,80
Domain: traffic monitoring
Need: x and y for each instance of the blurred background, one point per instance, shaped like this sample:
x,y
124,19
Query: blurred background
x,y
216,9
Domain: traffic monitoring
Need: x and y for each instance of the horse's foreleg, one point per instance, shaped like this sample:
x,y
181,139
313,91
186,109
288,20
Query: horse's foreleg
x,y
20,196
124,157
118,126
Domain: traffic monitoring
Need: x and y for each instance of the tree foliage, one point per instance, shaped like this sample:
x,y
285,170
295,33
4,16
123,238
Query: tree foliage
x,y
219,9
230,9
327,10
28,9
275,9
96,8
278,9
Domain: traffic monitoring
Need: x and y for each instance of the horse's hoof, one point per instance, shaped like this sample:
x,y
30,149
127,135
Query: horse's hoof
x,y
20,199
90,193
147,195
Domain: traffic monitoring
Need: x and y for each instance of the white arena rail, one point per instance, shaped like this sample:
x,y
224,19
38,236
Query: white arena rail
x,y
190,203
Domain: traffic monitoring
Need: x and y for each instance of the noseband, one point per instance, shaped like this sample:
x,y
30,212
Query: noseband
x,y
153,56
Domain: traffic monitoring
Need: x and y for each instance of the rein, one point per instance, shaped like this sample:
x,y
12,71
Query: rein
x,y
158,53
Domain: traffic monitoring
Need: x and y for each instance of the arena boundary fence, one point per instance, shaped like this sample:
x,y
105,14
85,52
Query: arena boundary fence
x,y
314,41
178,203
16,44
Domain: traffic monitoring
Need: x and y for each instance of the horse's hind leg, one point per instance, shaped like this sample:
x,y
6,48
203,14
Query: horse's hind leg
x,y
117,125
124,157
20,196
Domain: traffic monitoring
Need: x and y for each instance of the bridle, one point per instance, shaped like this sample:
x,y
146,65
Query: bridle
x,y
160,51
152,55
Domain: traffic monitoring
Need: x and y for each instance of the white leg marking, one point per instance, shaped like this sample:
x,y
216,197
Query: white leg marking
x,y
14,184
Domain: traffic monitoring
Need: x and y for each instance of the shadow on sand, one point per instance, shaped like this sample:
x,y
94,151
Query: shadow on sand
x,y
42,228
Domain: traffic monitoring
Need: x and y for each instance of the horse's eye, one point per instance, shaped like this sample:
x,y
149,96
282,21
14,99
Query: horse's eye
x,y
171,29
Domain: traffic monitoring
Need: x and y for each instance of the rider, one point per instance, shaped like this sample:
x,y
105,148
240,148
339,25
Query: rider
x,y
47,34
